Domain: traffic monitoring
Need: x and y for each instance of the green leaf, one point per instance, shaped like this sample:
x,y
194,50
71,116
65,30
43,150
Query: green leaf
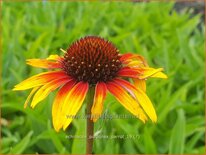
x,y
56,141
22,145
177,140
79,140
149,143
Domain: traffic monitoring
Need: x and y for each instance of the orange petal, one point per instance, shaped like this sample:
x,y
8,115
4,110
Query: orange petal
x,y
73,102
126,100
100,94
129,72
142,98
30,95
40,79
151,72
58,103
141,84
44,91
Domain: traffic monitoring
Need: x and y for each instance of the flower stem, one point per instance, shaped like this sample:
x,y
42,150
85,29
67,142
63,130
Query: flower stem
x,y
90,124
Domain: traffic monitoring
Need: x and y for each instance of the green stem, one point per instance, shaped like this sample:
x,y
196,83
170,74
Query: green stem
x,y
90,124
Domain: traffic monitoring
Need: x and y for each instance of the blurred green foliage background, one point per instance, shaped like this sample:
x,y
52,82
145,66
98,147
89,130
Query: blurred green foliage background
x,y
164,37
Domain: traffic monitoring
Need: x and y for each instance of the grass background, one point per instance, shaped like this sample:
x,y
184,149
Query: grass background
x,y
164,37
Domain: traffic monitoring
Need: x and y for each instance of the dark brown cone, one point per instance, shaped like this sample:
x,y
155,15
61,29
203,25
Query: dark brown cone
x,y
92,59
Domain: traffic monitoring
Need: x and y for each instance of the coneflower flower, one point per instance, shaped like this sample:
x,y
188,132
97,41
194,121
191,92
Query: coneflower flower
x,y
91,62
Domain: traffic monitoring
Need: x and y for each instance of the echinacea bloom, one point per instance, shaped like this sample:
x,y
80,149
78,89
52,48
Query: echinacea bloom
x,y
91,62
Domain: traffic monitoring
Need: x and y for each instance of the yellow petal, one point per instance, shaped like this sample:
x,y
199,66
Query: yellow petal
x,y
146,104
54,57
148,72
100,94
30,95
58,103
141,84
73,102
159,75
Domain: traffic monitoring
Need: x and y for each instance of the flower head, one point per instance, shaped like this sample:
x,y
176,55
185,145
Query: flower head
x,y
91,62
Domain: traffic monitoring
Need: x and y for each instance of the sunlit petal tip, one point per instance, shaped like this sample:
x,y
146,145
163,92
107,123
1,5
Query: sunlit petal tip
x,y
14,89
32,106
65,125
20,87
143,118
161,75
154,121
94,120
154,118
143,121
56,129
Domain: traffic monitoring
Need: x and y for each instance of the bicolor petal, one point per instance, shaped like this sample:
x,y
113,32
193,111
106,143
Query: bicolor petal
x,y
40,79
127,58
126,100
141,97
43,63
73,102
99,96
44,91
58,103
